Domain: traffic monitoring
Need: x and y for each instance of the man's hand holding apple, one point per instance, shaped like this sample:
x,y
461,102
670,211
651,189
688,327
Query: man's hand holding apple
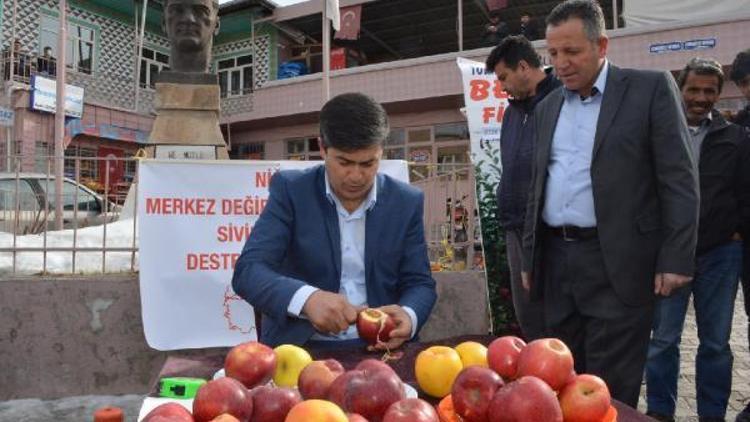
x,y
401,333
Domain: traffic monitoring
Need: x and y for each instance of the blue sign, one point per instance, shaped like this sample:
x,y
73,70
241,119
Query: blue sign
x,y
44,96
6,116
698,44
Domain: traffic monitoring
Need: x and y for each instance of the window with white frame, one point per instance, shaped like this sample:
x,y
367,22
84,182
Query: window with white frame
x,y
79,48
235,75
152,62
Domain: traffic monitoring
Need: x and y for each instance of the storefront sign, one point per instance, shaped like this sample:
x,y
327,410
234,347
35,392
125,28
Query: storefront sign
x,y
44,96
420,156
194,218
6,116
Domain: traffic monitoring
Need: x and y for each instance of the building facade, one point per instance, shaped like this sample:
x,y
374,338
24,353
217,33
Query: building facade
x,y
102,58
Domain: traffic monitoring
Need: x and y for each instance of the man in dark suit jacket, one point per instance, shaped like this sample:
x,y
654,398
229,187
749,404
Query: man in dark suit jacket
x,y
339,237
613,207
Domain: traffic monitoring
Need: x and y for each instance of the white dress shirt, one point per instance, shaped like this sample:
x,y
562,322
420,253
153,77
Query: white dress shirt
x,y
569,197
352,233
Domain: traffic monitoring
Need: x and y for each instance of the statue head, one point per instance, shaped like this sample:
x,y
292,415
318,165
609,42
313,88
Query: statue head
x,y
190,26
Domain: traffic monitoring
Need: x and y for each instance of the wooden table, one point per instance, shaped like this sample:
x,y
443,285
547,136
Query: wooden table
x,y
205,366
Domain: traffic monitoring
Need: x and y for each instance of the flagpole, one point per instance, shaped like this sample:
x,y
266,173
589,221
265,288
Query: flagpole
x,y
615,17
326,54
460,25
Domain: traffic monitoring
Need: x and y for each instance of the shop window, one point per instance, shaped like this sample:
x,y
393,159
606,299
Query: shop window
x,y
42,155
131,167
235,76
89,168
420,135
451,132
396,137
395,154
80,47
453,159
303,149
250,151
152,62
394,145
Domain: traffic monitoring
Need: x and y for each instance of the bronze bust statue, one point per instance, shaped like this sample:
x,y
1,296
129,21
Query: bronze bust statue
x,y
190,26
187,101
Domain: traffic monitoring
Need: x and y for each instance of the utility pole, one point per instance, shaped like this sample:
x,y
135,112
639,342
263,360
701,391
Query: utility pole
x,y
60,116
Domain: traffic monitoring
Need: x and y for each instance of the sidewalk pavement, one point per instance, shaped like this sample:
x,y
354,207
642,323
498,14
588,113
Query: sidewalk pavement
x,y
82,408
687,410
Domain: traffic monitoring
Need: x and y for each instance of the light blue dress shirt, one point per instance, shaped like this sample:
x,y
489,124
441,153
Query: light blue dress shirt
x,y
352,233
569,198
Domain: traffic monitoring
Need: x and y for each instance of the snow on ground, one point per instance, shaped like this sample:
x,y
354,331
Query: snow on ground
x,y
119,234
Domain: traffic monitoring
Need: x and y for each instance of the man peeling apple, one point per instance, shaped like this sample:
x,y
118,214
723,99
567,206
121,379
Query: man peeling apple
x,y
340,247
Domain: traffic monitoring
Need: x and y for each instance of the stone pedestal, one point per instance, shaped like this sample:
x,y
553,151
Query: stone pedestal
x,y
187,114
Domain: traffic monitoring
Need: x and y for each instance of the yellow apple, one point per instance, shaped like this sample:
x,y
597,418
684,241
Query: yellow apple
x,y
290,361
436,368
472,353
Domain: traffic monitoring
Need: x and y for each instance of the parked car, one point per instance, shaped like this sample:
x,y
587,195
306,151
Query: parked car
x,y
26,201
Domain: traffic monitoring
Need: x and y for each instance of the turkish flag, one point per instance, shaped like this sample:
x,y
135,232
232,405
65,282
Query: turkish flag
x,y
350,23
496,4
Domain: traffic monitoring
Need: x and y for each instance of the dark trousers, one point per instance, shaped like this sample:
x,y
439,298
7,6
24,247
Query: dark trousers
x,y
745,277
530,314
607,337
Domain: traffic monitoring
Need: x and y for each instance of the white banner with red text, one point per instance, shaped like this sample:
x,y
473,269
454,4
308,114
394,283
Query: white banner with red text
x,y
194,217
485,104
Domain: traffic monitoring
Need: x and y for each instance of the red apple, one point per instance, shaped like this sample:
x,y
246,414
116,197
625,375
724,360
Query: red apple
x,y
316,378
548,359
272,404
162,418
374,325
527,399
411,410
586,399
223,395
168,412
571,377
502,356
225,417
372,365
368,393
355,417
250,363
472,392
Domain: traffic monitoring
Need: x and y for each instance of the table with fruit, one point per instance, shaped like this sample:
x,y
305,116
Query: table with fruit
x,y
468,378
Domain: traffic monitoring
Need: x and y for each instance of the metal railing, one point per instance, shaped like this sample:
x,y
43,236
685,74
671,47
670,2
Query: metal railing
x,y
100,224
25,65
90,209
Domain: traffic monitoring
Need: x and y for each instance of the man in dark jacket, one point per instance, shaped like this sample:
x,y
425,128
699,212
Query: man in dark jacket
x,y
494,31
722,150
741,77
518,67
528,28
